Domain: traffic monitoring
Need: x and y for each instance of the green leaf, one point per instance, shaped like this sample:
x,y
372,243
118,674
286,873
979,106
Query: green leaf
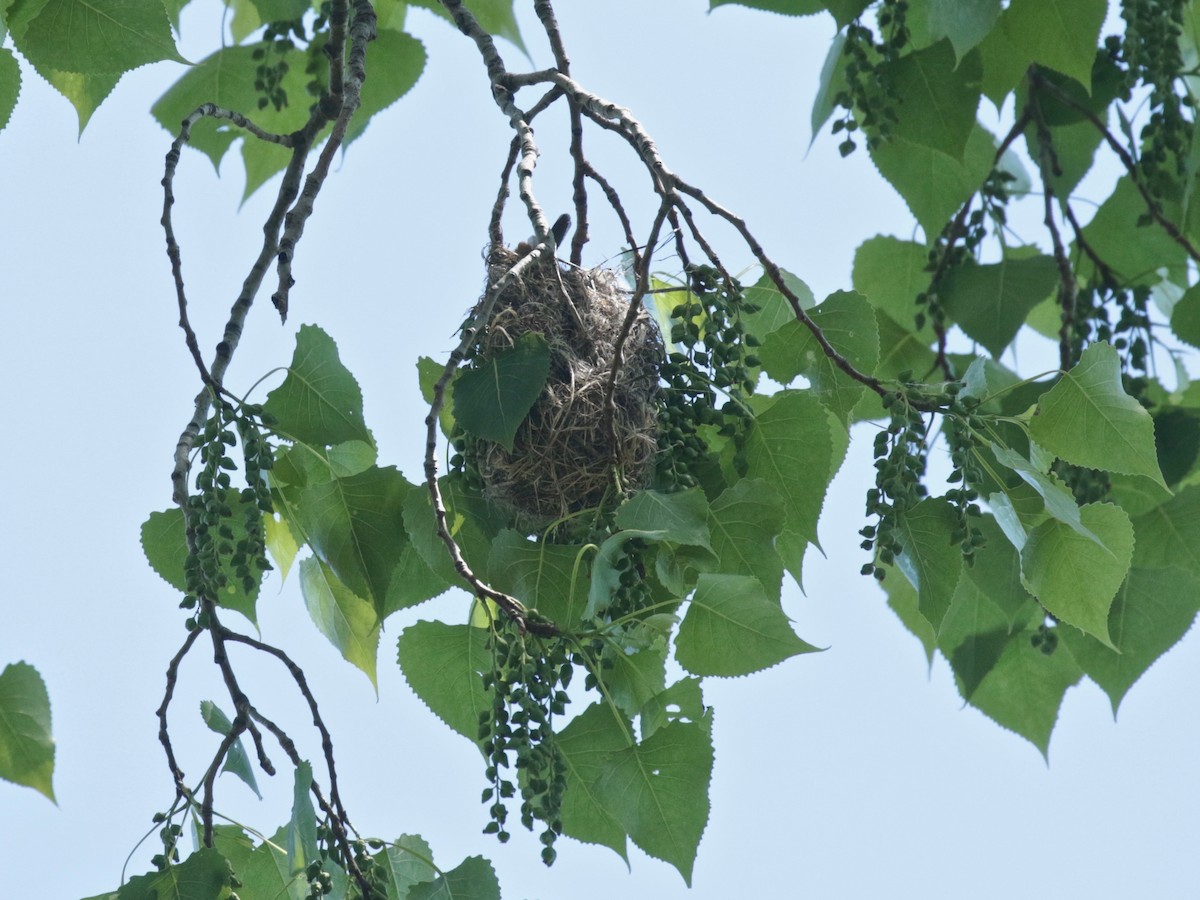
x,y
355,526
1088,419
319,402
1004,64
964,22
281,10
890,273
790,448
1185,317
551,578
996,573
407,862
164,541
938,96
635,672
1153,609
93,38
733,628
973,636
902,600
1076,578
443,664
1135,251
843,11
658,791
495,16
1059,501
266,872
395,61
10,85
744,522
302,828
227,78
681,516
428,373
990,302
472,521
587,743
848,323
1074,150
26,744
1024,689
492,398
933,183
350,623
472,879
85,92
1169,534
929,560
165,546
237,761
899,351
281,544
774,308
682,701
202,876
1058,34
831,81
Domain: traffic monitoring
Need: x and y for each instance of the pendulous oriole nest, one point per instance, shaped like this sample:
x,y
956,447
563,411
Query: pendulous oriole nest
x,y
565,457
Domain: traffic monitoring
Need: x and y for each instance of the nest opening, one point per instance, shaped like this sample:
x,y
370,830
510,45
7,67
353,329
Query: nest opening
x,y
565,457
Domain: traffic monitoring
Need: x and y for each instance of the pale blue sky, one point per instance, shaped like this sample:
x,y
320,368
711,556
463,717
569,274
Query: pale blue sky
x,y
851,773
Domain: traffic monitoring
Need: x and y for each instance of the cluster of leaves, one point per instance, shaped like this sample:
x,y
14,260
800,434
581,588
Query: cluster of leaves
x,y
301,860
1081,473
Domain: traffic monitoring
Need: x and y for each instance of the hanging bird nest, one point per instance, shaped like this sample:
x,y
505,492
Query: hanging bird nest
x,y
566,457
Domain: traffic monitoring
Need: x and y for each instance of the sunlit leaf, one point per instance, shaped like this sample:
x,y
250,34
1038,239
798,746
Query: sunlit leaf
x,y
202,876
26,744
1058,34
319,401
93,38
1024,689
658,791
443,664
733,628
938,96
349,622
1076,578
587,743
1088,419
1153,609
791,449
890,273
472,879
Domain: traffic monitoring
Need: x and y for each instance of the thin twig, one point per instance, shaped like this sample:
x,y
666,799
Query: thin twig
x,y
545,14
164,736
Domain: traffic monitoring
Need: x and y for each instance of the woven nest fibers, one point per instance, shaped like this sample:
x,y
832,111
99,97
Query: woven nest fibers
x,y
565,458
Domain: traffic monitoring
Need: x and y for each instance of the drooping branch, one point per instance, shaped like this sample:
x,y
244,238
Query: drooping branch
x,y
1153,208
1048,167
340,105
